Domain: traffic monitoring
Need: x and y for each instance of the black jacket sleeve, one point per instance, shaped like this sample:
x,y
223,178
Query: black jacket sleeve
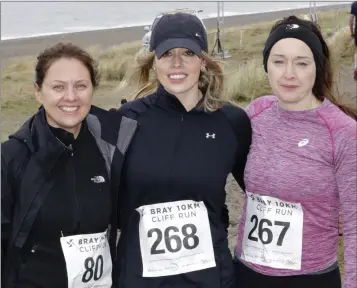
x,y
241,126
244,138
14,158
7,204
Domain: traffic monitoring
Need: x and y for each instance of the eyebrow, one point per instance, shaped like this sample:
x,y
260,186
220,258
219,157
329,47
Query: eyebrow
x,y
299,57
81,80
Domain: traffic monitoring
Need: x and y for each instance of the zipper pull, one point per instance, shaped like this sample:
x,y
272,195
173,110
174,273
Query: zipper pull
x,y
33,250
71,148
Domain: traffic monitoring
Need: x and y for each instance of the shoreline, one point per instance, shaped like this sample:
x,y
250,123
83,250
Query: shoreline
x,y
115,36
142,24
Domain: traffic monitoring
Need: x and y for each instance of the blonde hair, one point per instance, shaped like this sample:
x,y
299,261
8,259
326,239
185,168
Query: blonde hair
x,y
211,79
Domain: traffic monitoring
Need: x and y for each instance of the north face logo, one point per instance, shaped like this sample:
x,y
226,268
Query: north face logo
x,y
98,179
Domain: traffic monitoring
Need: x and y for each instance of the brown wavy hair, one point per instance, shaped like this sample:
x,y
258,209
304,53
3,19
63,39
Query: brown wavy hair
x,y
65,50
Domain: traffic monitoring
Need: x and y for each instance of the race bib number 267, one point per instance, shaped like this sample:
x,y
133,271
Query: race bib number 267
x,y
175,238
273,232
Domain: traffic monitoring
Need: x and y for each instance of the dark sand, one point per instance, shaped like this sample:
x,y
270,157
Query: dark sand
x,y
109,37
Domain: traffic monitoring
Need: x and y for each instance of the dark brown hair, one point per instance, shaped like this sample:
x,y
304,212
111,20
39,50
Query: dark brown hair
x,y
323,86
65,50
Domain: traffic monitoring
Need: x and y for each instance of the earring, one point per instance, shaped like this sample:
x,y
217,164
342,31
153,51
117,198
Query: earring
x,y
203,68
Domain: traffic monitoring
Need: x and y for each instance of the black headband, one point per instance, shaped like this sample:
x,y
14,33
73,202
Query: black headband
x,y
294,31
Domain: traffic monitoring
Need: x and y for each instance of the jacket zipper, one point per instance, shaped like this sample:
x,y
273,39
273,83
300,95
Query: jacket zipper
x,y
77,220
174,157
71,151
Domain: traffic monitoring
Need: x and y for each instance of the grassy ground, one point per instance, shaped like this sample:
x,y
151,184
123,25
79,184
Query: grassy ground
x,y
246,77
340,255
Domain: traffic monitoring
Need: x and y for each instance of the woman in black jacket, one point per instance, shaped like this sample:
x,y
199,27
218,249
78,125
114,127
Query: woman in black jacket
x,y
173,218
59,181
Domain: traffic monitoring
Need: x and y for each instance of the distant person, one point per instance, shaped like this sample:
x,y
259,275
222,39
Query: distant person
x,y
301,170
353,24
173,217
58,181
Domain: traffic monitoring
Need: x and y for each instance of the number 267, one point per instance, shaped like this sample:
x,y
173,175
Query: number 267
x,y
268,232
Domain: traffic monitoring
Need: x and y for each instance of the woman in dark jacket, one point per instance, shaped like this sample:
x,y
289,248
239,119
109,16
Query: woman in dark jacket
x,y
173,218
59,182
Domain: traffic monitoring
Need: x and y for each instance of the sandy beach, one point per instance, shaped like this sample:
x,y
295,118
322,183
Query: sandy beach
x,y
109,37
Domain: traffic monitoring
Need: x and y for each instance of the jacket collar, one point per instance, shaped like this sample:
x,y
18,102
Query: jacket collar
x,y
44,143
170,102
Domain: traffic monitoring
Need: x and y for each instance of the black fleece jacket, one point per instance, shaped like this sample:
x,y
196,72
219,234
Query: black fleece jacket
x,y
180,155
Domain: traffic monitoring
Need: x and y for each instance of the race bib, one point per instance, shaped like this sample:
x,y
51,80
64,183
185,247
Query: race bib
x,y
273,232
88,260
175,238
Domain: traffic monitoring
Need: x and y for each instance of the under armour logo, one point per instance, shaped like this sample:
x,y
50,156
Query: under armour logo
x,y
70,243
303,142
292,26
213,136
98,179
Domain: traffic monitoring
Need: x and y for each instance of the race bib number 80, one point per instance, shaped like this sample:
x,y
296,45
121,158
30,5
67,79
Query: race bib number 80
x,y
273,232
175,238
88,260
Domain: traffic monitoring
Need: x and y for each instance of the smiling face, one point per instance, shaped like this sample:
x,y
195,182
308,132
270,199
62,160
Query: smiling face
x,y
66,94
178,70
292,74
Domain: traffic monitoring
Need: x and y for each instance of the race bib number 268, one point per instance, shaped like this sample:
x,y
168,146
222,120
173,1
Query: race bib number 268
x,y
175,238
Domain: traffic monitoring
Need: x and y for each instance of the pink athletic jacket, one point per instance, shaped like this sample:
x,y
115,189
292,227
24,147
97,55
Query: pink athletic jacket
x,y
306,160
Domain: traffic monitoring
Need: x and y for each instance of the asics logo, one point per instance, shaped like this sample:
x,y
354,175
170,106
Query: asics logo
x,y
303,142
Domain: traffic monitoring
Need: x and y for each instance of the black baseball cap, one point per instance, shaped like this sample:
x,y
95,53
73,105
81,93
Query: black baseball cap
x,y
178,30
